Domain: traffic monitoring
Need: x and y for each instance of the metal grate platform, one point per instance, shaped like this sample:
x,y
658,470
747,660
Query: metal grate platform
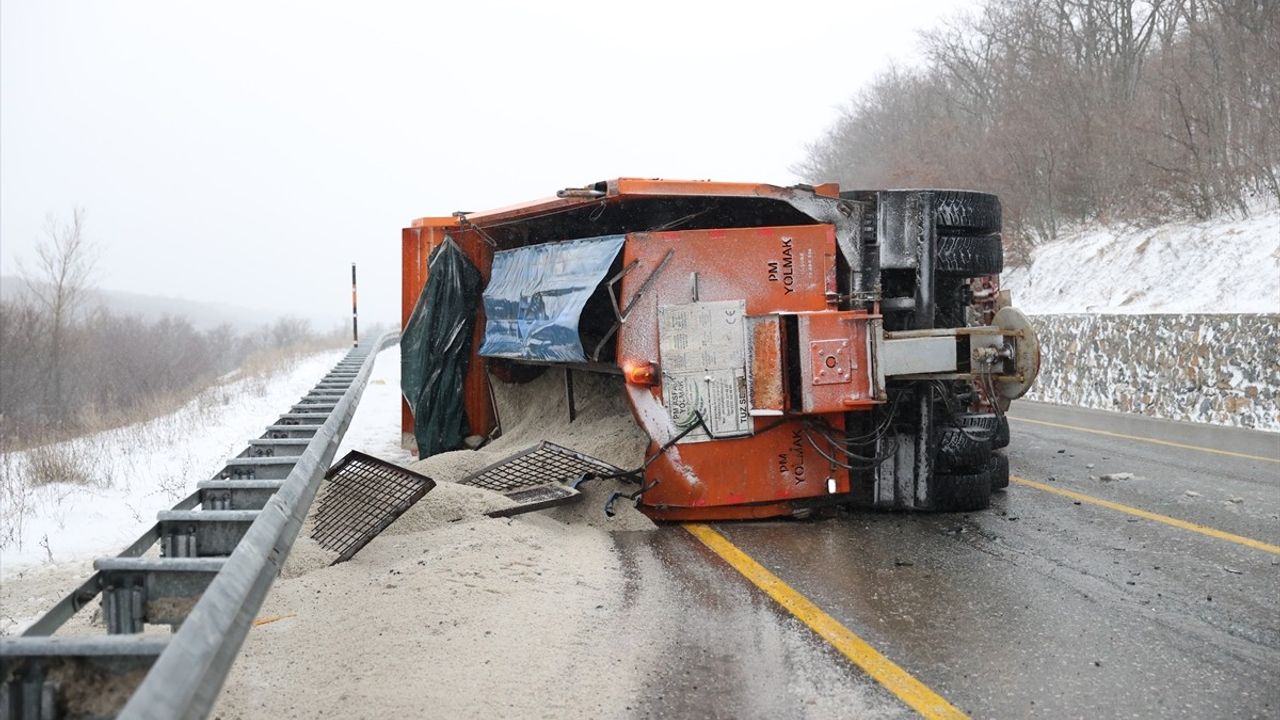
x,y
539,465
363,495
538,497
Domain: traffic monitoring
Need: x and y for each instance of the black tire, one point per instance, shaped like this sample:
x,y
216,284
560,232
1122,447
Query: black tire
x,y
962,492
998,469
962,448
987,425
969,256
966,213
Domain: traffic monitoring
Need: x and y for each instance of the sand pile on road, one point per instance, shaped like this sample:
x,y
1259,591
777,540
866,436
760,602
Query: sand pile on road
x,y
476,618
590,510
447,503
305,557
552,614
454,614
538,411
529,414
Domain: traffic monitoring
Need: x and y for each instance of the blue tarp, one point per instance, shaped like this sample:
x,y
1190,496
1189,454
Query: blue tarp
x,y
536,295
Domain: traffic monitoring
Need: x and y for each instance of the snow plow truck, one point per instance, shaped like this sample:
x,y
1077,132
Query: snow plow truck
x,y
785,349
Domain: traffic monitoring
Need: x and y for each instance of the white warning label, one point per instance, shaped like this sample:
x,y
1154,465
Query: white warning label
x,y
703,348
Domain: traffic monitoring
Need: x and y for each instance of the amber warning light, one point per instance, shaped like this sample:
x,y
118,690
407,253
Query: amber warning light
x,y
642,373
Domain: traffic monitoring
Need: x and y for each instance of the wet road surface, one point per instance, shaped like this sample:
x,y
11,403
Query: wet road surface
x,y
737,654
1042,606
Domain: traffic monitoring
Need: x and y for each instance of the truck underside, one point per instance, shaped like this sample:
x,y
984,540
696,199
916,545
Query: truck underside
x,y
784,348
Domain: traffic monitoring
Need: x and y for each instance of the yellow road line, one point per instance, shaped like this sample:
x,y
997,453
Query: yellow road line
x,y
896,680
1154,441
1147,515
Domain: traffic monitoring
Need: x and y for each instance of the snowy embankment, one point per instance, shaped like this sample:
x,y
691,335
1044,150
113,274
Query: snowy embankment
x,y
132,472
1223,265
1176,321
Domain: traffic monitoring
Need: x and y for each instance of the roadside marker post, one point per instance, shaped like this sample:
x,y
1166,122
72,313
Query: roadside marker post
x,y
355,333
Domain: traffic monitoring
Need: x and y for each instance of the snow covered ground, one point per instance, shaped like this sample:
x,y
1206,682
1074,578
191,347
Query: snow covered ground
x,y
136,471
1222,265
142,474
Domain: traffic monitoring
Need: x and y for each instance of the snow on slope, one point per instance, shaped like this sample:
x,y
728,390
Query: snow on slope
x,y
1222,265
140,469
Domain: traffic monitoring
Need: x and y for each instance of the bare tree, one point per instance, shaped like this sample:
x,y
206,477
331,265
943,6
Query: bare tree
x,y
289,331
59,283
1077,110
67,369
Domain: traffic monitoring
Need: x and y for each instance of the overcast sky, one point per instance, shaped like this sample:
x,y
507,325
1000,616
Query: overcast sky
x,y
249,152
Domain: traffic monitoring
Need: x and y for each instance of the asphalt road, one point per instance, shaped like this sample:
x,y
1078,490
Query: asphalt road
x,y
1164,604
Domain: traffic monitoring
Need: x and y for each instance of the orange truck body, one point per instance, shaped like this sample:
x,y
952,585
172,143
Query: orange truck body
x,y
773,275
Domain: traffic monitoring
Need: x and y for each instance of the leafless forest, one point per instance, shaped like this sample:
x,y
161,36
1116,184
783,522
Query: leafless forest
x,y
67,368
1076,110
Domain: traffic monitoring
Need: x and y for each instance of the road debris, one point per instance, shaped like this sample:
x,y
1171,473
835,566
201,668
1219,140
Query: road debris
x,y
361,496
1113,477
1191,494
540,477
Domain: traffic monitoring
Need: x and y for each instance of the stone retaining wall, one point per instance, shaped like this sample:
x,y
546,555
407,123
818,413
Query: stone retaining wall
x,y
1222,369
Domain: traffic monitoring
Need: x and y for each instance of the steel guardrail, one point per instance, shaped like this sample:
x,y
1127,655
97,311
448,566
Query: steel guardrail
x,y
191,666
189,674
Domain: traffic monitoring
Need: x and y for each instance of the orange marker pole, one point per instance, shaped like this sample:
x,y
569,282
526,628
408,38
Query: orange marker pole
x,y
355,332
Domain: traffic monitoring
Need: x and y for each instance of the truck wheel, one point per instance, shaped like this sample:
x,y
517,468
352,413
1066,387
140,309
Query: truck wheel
x,y
962,493
966,213
998,469
987,425
970,256
963,447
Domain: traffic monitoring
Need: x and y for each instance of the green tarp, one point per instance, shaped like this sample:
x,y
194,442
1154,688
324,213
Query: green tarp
x,y
435,348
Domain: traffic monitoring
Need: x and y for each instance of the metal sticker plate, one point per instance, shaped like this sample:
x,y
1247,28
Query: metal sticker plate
x,y
703,354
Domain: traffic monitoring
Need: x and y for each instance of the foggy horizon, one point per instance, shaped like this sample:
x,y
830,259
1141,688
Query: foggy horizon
x,y
248,154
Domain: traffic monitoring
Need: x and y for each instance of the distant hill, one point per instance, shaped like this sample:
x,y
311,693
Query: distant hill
x,y
202,315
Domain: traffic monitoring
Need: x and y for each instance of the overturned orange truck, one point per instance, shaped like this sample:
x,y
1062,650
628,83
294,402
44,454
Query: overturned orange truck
x,y
785,348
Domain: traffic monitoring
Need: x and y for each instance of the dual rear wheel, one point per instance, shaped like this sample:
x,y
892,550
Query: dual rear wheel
x,y
971,463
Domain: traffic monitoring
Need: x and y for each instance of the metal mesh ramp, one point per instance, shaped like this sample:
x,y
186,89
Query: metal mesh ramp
x,y
542,464
538,497
363,495
538,478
